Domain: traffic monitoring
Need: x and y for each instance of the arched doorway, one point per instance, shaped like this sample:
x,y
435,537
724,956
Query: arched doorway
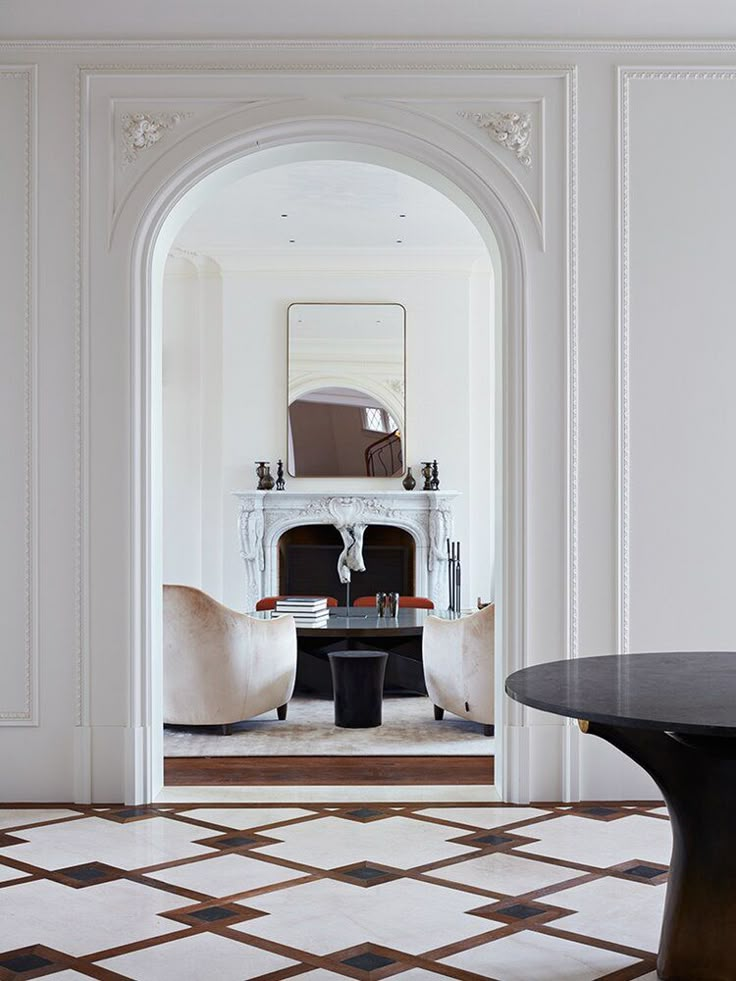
x,y
180,195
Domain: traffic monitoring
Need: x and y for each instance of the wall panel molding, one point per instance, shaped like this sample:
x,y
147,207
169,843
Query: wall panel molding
x,y
572,358
627,75
81,445
25,709
354,45
623,362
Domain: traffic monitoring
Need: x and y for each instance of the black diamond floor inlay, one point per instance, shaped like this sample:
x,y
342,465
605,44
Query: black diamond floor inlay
x,y
599,811
85,873
368,961
364,812
212,913
235,841
519,911
25,963
493,839
365,873
644,871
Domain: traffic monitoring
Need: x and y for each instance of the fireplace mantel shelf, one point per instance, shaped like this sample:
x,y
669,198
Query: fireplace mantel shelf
x,y
263,516
289,494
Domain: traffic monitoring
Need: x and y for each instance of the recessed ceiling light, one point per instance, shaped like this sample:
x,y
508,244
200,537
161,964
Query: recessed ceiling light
x,y
292,240
399,241
284,216
402,216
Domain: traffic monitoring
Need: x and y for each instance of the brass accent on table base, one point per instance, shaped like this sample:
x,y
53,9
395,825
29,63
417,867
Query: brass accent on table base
x,y
583,725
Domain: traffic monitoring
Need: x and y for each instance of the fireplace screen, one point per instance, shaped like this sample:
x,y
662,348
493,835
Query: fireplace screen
x,y
308,562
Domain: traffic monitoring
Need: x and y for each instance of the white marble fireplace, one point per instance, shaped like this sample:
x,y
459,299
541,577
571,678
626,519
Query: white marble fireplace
x,y
264,516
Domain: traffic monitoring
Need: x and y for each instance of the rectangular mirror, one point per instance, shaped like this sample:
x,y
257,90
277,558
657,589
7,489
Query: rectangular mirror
x,y
346,372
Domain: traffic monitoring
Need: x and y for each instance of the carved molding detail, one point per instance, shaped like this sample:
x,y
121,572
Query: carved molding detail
x,y
142,130
512,130
264,516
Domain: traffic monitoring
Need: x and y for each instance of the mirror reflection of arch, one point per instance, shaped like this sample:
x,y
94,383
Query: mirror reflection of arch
x,y
346,389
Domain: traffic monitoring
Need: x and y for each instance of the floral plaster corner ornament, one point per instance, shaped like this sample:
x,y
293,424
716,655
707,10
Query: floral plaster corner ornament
x,y
142,130
512,130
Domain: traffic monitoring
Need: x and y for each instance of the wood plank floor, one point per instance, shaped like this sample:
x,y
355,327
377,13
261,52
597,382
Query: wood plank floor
x,y
331,771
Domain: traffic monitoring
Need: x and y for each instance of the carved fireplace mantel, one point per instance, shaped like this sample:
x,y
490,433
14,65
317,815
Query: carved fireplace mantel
x,y
264,516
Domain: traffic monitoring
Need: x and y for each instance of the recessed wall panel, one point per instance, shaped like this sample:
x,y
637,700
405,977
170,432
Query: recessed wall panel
x,y
678,360
18,688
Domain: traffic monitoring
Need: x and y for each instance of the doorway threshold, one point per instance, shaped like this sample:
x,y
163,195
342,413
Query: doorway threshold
x,y
328,771
437,793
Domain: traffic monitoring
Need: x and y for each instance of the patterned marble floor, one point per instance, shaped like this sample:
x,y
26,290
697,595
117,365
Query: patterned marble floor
x,y
366,891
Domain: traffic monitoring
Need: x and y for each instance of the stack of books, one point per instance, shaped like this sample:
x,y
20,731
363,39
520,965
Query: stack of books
x,y
308,611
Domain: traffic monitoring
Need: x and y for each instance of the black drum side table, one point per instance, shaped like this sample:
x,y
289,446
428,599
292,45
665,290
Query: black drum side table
x,y
357,680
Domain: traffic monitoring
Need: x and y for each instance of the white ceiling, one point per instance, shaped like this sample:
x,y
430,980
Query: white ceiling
x,y
329,204
471,19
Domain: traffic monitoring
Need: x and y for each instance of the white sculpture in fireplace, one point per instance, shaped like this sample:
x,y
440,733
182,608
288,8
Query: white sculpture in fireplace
x,y
264,516
351,557
347,513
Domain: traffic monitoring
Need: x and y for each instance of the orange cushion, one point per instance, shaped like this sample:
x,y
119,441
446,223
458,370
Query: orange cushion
x,y
408,602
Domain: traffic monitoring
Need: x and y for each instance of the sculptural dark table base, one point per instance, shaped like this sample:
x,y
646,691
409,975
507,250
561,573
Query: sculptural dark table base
x,y
697,777
673,713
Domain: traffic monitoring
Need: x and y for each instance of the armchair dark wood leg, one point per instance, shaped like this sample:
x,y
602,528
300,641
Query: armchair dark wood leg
x,y
281,711
488,730
226,730
439,713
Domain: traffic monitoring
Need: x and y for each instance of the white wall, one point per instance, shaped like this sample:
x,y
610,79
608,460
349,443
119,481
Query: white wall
x,y
449,362
192,506
623,225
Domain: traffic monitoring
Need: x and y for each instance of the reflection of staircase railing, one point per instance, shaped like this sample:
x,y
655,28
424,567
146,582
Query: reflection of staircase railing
x,y
383,458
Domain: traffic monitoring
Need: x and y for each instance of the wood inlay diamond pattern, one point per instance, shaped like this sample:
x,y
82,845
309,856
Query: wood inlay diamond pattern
x,y
441,891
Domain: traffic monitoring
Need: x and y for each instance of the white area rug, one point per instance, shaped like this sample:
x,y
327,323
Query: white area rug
x,y
409,729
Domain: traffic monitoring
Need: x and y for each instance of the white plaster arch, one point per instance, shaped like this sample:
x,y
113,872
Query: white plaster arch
x,y
146,226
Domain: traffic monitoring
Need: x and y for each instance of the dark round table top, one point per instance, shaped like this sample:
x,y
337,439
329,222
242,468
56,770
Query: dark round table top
x,y
680,691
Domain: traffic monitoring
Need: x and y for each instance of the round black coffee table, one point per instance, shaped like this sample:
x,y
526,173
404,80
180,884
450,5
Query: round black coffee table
x,y
360,628
357,680
675,715
357,622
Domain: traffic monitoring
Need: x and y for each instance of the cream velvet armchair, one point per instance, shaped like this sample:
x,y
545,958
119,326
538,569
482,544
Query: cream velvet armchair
x,y
220,666
458,658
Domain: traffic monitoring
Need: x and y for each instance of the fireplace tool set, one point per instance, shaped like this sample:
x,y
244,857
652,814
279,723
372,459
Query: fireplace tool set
x,y
454,575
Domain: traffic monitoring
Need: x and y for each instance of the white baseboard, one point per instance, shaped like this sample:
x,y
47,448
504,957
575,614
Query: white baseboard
x,y
516,764
138,787
100,756
83,765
